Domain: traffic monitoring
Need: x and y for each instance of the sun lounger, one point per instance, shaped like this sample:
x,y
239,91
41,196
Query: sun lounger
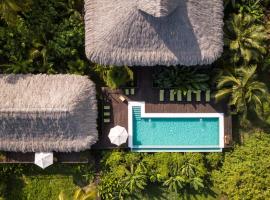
x,y
132,91
179,95
106,107
172,95
161,95
207,96
198,95
107,114
107,120
126,91
189,97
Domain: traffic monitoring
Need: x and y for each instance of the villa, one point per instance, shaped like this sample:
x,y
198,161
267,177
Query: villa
x,y
148,34
47,113
58,113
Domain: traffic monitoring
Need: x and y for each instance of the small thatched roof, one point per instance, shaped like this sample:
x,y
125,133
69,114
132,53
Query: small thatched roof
x,y
44,113
153,32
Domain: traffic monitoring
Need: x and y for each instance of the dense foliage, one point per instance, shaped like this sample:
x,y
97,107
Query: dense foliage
x,y
31,182
128,175
245,173
115,77
47,36
184,78
245,91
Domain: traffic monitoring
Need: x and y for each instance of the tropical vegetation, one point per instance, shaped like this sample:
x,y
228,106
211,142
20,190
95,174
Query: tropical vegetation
x,y
47,36
184,78
245,171
245,92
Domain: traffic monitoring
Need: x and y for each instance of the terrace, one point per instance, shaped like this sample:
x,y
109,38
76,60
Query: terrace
x,y
145,92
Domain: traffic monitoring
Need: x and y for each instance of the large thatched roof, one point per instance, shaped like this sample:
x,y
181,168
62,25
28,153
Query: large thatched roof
x,y
153,32
44,113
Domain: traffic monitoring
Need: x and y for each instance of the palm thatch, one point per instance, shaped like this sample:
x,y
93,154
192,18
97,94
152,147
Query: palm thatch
x,y
45,113
153,32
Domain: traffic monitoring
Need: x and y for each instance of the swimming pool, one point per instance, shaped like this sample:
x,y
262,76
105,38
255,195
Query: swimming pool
x,y
196,132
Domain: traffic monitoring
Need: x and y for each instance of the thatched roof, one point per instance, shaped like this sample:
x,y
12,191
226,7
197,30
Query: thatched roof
x,y
153,32
44,113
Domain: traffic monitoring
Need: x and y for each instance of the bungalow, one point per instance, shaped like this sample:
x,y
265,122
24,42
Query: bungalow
x,y
47,113
153,32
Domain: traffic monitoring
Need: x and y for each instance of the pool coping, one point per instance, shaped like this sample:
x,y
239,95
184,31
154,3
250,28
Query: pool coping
x,y
173,115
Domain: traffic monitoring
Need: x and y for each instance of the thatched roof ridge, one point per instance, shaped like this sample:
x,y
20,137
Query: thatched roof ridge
x,y
153,32
44,113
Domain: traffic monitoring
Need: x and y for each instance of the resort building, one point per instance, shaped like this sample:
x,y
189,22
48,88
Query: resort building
x,y
153,32
145,35
47,113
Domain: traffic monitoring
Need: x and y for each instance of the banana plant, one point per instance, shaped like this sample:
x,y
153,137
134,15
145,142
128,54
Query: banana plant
x,y
135,179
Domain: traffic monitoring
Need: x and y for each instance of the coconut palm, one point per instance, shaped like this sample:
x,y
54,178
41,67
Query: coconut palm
x,y
243,89
245,38
9,9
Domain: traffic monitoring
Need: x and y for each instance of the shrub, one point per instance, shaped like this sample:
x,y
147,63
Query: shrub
x,y
130,174
114,77
181,77
3,187
245,173
49,38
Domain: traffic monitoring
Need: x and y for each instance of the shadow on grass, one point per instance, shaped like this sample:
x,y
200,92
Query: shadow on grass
x,y
14,188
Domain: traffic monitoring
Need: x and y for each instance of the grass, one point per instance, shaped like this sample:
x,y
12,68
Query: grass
x,y
37,184
40,187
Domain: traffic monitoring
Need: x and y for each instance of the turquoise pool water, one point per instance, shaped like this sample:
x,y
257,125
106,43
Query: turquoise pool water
x,y
174,132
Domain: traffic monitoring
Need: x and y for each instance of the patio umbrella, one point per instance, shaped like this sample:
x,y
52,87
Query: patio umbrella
x,y
43,160
118,135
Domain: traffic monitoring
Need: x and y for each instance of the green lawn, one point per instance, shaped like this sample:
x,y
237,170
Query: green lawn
x,y
36,184
41,187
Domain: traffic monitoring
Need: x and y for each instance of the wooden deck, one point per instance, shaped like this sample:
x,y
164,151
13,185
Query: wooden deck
x,y
150,95
74,157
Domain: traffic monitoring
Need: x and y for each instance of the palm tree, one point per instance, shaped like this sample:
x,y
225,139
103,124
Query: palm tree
x,y
9,9
175,183
243,89
135,179
245,38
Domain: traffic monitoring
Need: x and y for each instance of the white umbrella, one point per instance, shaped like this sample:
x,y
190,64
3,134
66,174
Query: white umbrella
x,y
118,135
43,160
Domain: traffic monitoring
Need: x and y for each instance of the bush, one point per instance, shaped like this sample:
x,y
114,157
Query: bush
x,y
3,187
181,77
127,175
49,38
245,173
114,77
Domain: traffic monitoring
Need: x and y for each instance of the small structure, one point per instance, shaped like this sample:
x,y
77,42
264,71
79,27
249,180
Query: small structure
x,y
153,32
47,113
43,160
